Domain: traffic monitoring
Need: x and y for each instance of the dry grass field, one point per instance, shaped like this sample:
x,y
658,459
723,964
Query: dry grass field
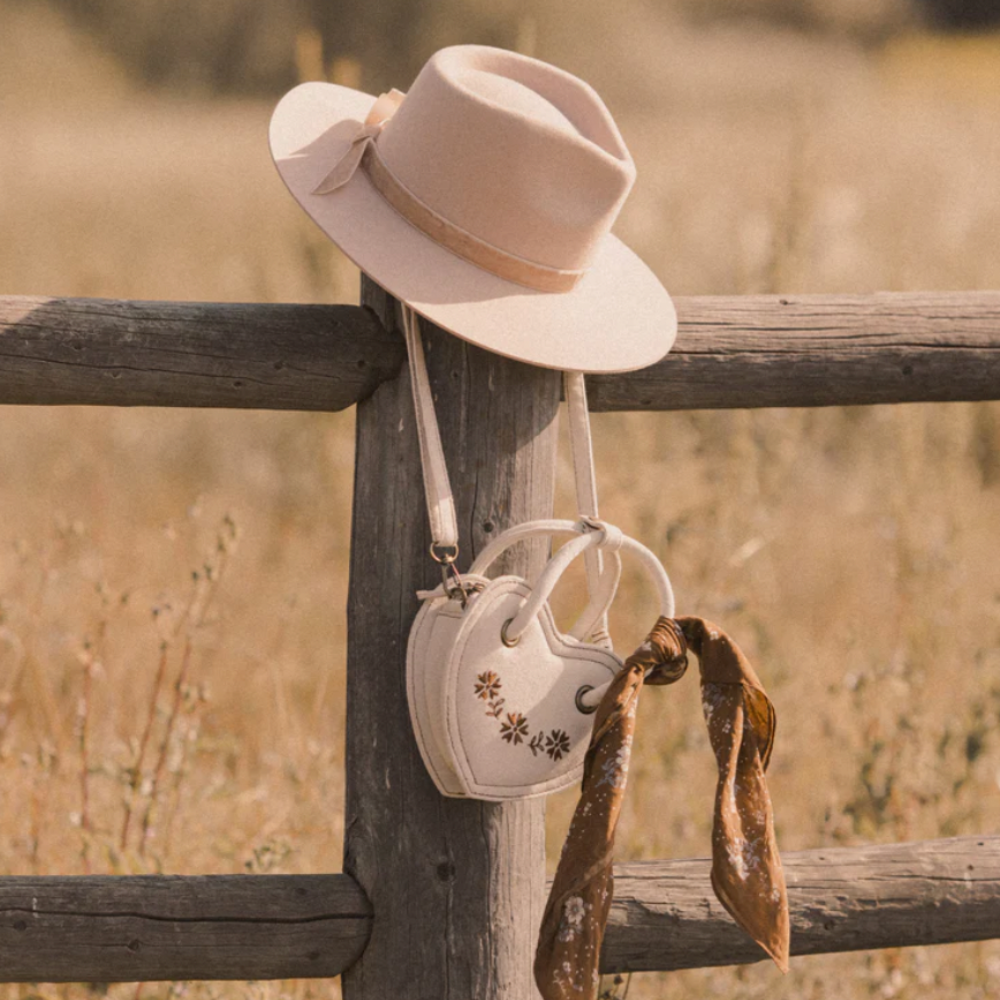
x,y
172,584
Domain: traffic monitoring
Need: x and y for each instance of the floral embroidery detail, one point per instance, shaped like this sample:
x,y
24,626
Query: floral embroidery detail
x,y
487,686
495,708
515,729
557,746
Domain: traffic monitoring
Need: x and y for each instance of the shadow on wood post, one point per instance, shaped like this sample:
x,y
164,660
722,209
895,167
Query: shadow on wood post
x,y
457,886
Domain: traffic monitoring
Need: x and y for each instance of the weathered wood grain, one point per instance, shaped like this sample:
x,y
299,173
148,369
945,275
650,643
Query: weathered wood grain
x,y
750,351
147,927
457,886
665,915
731,352
121,353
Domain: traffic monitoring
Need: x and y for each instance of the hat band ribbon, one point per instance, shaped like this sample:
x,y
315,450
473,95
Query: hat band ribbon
x,y
363,152
459,241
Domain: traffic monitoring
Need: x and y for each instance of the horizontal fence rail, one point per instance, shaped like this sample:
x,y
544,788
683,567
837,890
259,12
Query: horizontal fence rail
x,y
664,916
107,352
135,928
732,351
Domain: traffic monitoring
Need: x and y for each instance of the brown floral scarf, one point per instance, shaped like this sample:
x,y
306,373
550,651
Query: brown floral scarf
x,y
746,869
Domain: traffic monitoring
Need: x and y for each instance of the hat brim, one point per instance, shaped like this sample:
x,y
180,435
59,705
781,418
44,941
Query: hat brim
x,y
617,318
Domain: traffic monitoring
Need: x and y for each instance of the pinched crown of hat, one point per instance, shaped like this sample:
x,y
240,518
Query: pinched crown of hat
x,y
484,198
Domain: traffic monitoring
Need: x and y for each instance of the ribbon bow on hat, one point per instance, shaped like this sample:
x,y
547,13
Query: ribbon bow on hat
x,y
746,869
343,170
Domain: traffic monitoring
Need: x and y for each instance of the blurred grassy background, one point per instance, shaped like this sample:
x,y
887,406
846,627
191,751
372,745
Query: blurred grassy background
x,y
172,584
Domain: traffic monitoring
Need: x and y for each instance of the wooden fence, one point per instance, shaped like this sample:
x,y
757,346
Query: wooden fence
x,y
441,897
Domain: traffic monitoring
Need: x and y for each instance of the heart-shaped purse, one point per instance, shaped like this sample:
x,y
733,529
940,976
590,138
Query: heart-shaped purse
x,y
500,699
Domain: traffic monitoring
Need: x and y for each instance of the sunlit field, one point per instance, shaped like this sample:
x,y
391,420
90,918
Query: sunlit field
x,y
173,583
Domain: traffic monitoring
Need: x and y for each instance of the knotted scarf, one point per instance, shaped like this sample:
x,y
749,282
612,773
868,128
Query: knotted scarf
x,y
746,869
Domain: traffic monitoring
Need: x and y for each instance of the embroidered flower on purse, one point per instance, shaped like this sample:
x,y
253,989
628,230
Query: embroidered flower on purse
x,y
487,686
557,744
515,729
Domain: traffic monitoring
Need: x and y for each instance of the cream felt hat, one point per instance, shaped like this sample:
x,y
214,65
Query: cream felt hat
x,y
484,199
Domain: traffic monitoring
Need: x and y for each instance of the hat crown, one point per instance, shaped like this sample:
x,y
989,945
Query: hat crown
x,y
518,153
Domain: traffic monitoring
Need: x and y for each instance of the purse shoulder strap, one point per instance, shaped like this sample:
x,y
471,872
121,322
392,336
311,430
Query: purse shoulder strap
x,y
440,502
437,488
582,449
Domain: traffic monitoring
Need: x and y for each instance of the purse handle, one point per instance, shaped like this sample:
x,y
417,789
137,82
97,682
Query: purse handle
x,y
590,535
437,488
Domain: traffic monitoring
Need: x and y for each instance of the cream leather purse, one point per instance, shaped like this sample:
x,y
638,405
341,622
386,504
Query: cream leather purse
x,y
500,699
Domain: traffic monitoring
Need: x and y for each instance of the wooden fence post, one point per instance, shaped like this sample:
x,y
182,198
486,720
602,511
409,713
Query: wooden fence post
x,y
457,887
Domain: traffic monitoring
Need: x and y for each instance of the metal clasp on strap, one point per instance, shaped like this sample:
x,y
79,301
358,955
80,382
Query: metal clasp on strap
x,y
451,580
